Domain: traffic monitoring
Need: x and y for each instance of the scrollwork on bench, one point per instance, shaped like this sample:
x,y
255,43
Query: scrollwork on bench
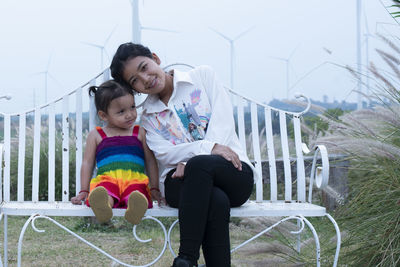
x,y
32,219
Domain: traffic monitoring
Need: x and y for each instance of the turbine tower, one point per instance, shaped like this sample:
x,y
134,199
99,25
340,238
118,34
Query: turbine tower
x,y
137,26
358,25
232,50
47,74
287,61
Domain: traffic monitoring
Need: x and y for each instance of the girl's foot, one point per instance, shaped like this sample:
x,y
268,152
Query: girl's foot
x,y
137,206
98,200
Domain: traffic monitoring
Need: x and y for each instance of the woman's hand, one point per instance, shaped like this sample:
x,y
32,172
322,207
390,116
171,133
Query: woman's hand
x,y
77,200
227,153
156,194
180,170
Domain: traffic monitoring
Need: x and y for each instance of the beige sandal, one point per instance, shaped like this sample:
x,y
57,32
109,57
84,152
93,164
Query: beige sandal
x,y
98,200
137,207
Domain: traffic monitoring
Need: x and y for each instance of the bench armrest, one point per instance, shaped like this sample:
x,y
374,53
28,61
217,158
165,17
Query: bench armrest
x,y
321,173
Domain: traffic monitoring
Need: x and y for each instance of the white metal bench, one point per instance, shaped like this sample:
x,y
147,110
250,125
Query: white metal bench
x,y
287,199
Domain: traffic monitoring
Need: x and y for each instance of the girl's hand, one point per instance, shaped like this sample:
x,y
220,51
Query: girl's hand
x,y
228,154
180,170
156,194
77,200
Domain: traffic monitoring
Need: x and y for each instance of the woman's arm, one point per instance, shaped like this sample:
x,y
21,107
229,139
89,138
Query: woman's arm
x,y
87,167
221,127
151,168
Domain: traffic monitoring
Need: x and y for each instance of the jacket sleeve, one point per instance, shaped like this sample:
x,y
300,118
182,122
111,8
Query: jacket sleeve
x,y
169,154
221,127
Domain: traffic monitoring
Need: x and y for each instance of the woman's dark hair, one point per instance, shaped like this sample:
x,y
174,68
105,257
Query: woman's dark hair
x,y
124,53
107,92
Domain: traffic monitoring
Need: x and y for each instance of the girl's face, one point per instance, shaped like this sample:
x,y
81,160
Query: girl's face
x,y
144,74
121,112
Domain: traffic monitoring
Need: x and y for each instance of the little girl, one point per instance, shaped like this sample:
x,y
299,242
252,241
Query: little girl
x,y
121,154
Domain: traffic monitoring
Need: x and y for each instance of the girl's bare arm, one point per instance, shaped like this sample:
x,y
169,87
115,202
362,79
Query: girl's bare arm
x,y
151,168
87,167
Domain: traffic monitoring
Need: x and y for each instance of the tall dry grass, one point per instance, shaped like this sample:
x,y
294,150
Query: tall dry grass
x,y
371,139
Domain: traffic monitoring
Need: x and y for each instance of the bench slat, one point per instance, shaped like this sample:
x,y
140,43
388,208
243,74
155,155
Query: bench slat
x,y
240,116
301,179
92,109
7,153
249,209
52,151
285,155
78,133
256,151
21,157
65,150
271,155
1,169
36,156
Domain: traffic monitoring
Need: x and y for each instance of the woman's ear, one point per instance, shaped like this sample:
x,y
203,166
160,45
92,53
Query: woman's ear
x,y
156,58
102,115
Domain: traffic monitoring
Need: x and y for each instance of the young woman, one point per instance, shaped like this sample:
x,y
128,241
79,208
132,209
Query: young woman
x,y
190,128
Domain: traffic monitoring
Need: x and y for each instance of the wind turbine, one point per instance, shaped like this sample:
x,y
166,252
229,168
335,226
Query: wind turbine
x,y
102,47
232,50
137,26
287,61
137,32
47,74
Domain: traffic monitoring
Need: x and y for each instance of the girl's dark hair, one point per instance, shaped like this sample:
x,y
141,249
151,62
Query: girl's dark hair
x,y
107,92
124,53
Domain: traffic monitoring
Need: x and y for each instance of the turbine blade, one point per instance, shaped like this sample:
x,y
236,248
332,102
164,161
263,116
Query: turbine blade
x,y
37,73
48,62
278,58
91,44
294,50
158,29
54,79
109,36
220,34
243,33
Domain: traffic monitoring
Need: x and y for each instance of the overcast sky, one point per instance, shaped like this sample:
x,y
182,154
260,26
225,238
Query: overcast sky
x,y
311,31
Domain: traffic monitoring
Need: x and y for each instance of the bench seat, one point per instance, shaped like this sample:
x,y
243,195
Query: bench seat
x,y
249,209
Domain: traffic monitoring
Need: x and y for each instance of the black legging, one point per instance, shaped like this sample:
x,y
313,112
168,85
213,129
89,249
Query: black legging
x,y
210,186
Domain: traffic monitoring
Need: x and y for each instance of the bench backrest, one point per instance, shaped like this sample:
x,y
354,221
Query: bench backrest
x,y
43,147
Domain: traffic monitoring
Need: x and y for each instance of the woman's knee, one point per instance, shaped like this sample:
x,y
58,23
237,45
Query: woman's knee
x,y
198,163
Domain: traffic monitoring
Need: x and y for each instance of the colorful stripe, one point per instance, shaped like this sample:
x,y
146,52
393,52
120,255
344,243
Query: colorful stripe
x,y
120,166
121,158
109,151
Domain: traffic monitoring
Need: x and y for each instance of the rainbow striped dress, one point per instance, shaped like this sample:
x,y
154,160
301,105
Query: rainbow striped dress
x,y
120,167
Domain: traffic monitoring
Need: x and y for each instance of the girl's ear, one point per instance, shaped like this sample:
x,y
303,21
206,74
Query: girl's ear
x,y
156,58
102,115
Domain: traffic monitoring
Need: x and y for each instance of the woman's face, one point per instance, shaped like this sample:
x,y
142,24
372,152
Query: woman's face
x,y
144,74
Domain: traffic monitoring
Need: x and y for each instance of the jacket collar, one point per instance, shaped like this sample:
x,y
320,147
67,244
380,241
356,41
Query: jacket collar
x,y
153,103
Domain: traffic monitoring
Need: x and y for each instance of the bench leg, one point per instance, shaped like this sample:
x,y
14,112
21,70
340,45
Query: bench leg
x,y
298,238
5,240
338,239
21,237
34,217
317,245
169,237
